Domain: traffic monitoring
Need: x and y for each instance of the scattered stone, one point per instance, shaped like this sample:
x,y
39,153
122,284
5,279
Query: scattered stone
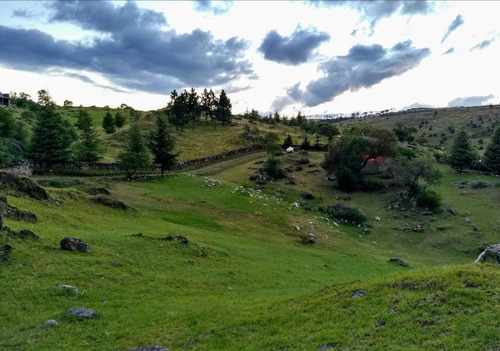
x,y
116,263
15,214
443,227
182,239
327,347
476,229
109,202
149,348
346,197
5,250
50,323
298,168
28,234
491,252
290,182
99,191
302,161
418,229
377,218
137,235
357,294
381,323
23,185
451,210
81,312
68,288
191,261
169,237
312,238
297,227
480,185
467,220
399,261
74,244
307,195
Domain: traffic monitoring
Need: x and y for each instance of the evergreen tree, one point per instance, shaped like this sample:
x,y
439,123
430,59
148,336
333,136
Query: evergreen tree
x,y
224,108
119,120
192,107
52,138
177,115
84,120
492,154
87,148
208,105
108,123
136,155
161,144
276,116
462,155
288,141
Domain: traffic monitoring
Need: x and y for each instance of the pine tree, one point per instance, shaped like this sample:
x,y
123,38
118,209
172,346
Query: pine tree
x,y
462,155
492,154
136,155
52,138
224,108
87,149
108,123
161,145
288,141
119,120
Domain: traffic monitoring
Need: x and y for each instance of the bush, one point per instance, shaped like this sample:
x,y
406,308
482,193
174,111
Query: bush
x,y
346,180
429,199
408,153
371,185
348,214
272,167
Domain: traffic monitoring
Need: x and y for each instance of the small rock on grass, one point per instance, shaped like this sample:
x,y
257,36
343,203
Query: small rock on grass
x,y
399,261
81,312
50,323
68,287
149,348
357,294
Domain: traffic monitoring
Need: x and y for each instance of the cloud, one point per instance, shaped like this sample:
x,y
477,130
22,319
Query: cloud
x,y
417,105
294,49
136,54
103,16
22,13
484,44
470,101
457,22
375,10
449,51
363,66
216,7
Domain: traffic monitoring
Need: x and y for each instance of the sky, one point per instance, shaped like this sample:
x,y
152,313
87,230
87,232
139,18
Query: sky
x,y
316,57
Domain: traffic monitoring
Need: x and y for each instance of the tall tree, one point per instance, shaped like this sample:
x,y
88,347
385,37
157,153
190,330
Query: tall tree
x,y
177,109
119,120
44,98
52,137
161,144
192,106
462,155
208,105
492,154
87,148
136,155
108,123
224,108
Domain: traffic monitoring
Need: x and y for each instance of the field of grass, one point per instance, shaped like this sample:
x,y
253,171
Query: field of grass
x,y
246,281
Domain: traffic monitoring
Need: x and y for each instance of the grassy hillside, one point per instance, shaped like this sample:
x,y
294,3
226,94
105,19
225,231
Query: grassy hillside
x,y
442,123
246,280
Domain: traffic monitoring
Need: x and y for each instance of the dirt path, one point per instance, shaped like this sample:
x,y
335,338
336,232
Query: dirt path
x,y
221,165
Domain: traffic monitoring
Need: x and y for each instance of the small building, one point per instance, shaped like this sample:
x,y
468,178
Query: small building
x,y
4,100
375,165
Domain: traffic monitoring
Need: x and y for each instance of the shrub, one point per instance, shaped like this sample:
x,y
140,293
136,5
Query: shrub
x,y
429,199
348,214
346,180
371,185
272,167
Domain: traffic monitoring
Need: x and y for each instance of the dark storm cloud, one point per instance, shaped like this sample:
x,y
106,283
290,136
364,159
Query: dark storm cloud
x,y
470,101
215,7
135,54
104,16
457,22
483,44
363,66
292,50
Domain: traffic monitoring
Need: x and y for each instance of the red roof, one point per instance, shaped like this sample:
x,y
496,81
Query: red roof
x,y
379,159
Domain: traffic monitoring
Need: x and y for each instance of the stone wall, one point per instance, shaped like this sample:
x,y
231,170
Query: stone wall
x,y
26,167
